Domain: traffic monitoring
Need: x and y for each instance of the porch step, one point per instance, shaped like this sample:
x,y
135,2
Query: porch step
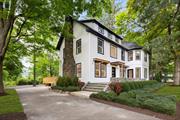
x,y
95,87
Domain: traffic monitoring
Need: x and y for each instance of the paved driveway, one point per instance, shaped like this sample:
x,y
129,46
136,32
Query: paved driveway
x,y
42,104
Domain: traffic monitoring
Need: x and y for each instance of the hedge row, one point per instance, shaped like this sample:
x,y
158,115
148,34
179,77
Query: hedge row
x,y
139,98
132,85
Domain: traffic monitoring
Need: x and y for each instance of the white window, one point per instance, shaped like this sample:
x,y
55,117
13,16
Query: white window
x,y
117,39
100,70
138,73
113,51
100,30
78,46
145,57
100,46
130,55
78,70
138,54
109,35
122,54
145,73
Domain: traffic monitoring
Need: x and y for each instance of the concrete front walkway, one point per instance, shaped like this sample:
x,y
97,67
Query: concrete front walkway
x,y
41,104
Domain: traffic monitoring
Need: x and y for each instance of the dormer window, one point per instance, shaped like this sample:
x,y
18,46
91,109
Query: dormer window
x,y
100,30
109,35
117,40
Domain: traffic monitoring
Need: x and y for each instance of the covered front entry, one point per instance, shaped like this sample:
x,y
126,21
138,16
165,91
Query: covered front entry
x,y
130,74
121,70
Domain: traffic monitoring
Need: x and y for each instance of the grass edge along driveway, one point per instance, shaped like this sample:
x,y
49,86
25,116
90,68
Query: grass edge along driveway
x,y
10,103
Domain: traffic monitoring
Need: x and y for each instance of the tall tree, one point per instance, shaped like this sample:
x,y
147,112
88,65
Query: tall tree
x,y
15,14
157,19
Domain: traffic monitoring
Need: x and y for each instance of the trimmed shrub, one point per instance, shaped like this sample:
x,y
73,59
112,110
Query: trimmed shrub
x,y
143,99
26,82
132,85
116,87
67,81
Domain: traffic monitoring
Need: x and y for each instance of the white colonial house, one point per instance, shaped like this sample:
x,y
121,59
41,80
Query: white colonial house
x,y
101,55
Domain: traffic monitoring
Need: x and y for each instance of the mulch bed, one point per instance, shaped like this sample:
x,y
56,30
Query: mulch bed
x,y
178,111
143,111
14,116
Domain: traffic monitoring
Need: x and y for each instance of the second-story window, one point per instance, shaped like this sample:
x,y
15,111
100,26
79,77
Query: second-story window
x,y
123,55
138,54
78,46
100,46
109,35
130,56
117,39
100,30
113,51
145,57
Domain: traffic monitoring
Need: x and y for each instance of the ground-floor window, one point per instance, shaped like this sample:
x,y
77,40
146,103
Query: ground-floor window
x,y
130,73
100,69
138,73
78,70
113,71
145,73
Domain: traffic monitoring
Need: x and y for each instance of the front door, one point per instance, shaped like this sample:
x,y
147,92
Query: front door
x,y
130,74
113,71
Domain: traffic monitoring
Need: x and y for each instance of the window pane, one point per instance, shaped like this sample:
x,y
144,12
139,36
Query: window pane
x,y
97,69
109,35
138,55
100,30
78,46
145,73
138,73
145,57
113,51
78,69
117,40
130,55
103,70
122,55
100,46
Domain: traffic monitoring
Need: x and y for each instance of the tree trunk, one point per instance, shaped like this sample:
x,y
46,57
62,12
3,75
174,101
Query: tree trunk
x,y
1,78
177,70
69,62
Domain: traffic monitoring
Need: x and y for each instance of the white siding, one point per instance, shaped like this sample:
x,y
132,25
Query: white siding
x,y
89,52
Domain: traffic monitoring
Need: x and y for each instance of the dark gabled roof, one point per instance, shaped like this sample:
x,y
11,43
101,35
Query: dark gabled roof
x,y
101,25
125,45
131,45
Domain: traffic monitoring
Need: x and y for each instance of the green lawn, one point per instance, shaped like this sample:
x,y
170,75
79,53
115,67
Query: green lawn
x,y
10,103
170,90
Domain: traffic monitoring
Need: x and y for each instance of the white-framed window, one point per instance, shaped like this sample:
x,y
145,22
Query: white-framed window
x,y
138,73
138,54
100,46
113,51
100,30
117,39
145,57
78,46
123,54
130,55
109,35
145,73
78,70
100,70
